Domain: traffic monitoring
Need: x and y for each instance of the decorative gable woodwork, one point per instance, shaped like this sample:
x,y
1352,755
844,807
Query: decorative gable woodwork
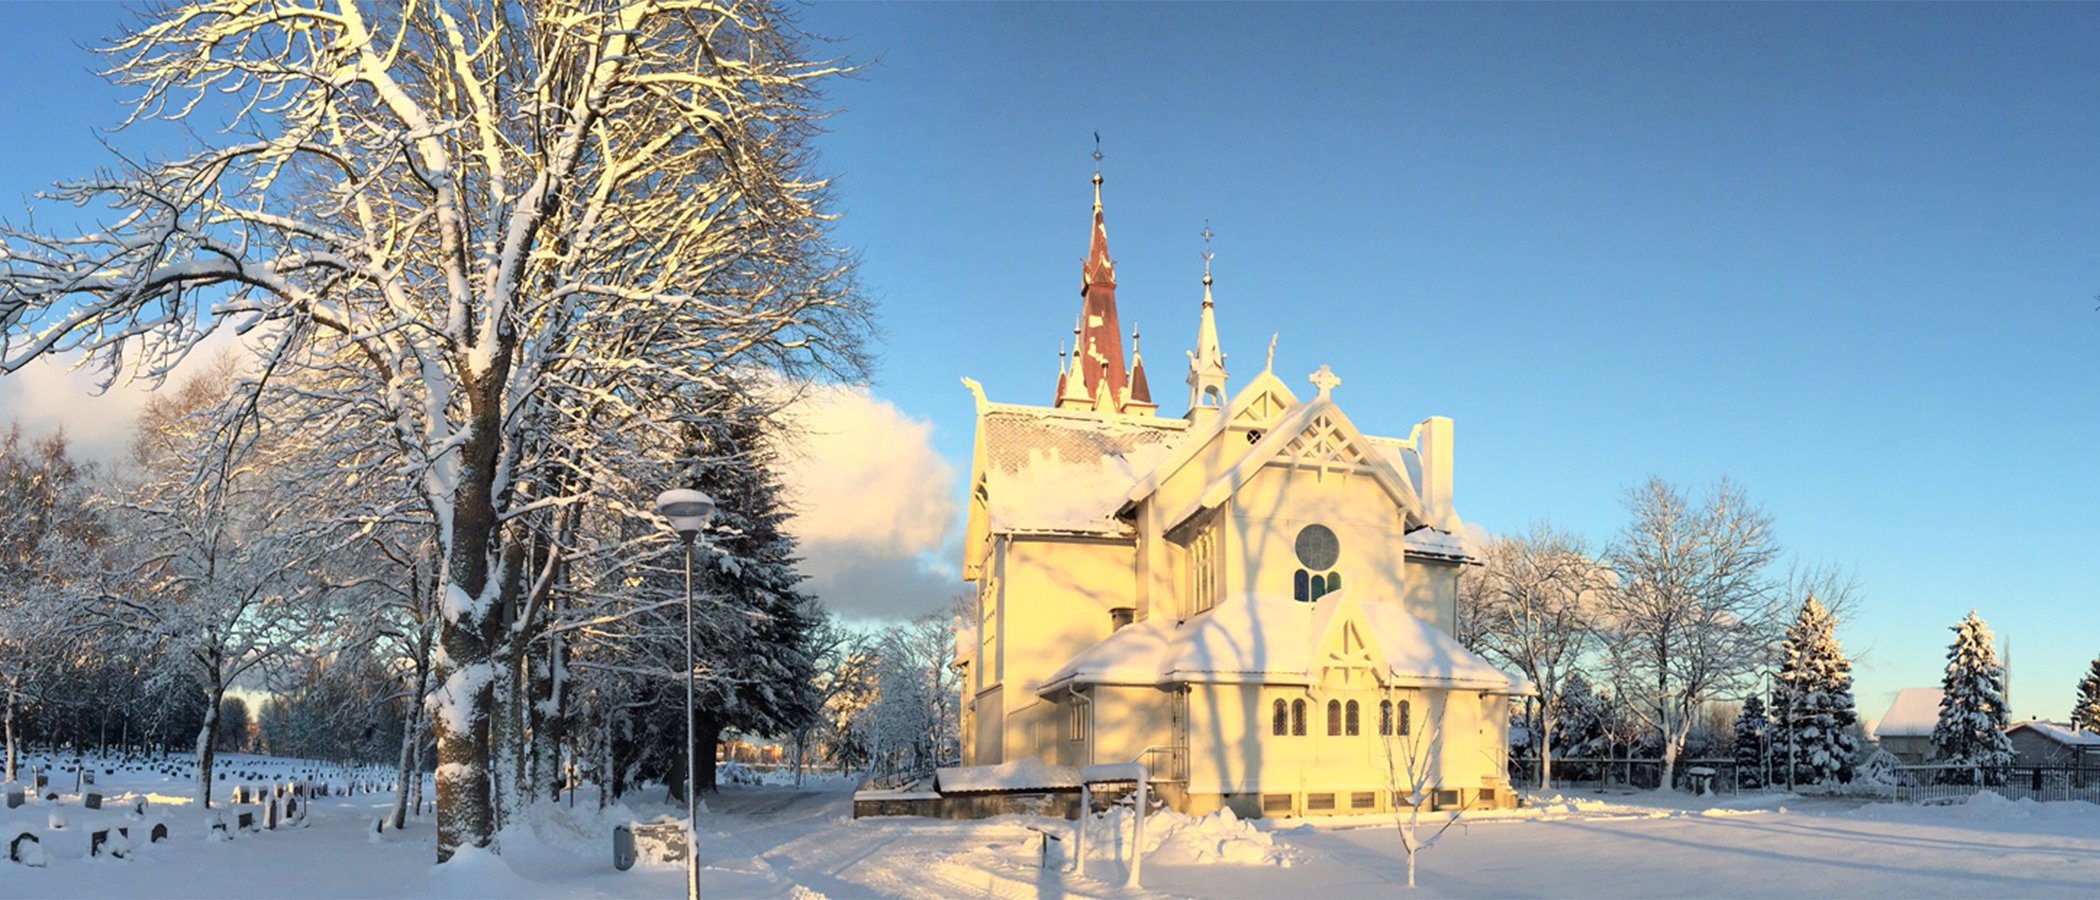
x,y
1324,445
1261,409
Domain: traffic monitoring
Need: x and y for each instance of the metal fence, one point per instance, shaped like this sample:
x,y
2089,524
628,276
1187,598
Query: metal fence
x,y
1600,774
1954,784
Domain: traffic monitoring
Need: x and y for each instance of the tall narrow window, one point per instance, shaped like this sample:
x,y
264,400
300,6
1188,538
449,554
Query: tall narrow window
x,y
1400,727
1350,726
1078,720
1385,717
1298,718
1279,720
1203,572
1319,586
1334,582
1301,590
1334,718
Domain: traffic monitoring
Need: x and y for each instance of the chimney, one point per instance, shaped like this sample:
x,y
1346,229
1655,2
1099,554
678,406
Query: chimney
x,y
1432,441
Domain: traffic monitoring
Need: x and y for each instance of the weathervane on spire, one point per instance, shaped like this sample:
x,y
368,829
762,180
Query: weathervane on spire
x,y
1207,254
1097,153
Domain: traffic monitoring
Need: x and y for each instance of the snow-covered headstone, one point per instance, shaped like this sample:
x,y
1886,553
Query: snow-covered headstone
x,y
26,849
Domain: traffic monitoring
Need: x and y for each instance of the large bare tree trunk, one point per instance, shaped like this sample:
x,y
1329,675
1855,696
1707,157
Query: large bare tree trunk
x,y
471,633
411,747
9,715
207,742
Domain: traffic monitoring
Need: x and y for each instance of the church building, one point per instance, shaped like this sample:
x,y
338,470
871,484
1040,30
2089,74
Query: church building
x,y
1256,598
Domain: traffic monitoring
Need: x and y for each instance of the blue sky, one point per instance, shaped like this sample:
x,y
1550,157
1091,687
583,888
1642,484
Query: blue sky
x,y
1844,254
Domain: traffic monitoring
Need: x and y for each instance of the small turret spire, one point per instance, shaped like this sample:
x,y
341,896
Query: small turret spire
x,y
1207,361
1071,385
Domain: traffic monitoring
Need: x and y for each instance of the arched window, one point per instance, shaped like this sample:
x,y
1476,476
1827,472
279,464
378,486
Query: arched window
x,y
1319,586
1334,582
1334,718
1385,717
1300,588
1350,727
1401,726
1278,719
1298,718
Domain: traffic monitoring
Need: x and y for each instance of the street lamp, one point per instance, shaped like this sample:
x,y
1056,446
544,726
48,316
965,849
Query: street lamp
x,y
688,511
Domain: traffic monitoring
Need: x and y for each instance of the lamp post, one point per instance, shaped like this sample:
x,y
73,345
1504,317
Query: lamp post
x,y
688,511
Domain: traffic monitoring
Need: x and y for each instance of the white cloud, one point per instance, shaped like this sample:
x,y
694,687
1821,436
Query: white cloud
x,y
54,392
875,505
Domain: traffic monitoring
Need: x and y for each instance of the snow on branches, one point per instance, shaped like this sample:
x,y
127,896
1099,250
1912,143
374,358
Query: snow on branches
x,y
1971,729
516,247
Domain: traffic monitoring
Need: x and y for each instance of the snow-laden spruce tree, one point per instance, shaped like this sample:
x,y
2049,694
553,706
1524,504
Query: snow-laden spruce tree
x,y
1814,727
535,233
1970,734
2086,712
1751,733
763,629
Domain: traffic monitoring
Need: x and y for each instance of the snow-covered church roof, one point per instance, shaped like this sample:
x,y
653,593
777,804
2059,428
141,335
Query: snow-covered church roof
x,y
1065,471
1257,638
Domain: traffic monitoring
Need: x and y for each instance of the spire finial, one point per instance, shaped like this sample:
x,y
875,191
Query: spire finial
x,y
1097,154
1271,367
1133,337
1207,257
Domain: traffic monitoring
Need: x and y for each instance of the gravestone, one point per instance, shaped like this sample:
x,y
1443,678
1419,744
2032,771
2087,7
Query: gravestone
x,y
270,814
14,797
247,821
240,794
87,777
117,845
660,842
160,832
42,781
26,849
291,807
138,807
53,796
92,801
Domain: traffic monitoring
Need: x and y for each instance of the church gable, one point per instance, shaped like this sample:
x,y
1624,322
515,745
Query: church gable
x,y
1325,445
1345,652
1261,404
1313,436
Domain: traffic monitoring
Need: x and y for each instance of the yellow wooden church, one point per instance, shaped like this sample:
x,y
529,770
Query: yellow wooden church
x,y
1256,599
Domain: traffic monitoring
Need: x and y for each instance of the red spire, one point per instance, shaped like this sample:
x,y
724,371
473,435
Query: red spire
x,y
1140,391
1101,337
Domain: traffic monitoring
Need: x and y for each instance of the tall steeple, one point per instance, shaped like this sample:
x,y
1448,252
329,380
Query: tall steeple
x,y
1097,349
1207,361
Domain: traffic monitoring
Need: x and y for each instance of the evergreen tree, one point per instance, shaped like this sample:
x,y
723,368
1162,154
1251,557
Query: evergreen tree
x,y
1815,681
2086,712
1751,731
762,634
1971,729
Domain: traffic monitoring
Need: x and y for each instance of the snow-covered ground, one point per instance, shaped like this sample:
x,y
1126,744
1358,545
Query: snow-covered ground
x,y
780,841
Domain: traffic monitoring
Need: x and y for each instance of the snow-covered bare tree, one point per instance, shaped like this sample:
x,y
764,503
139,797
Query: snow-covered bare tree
x,y
2085,711
911,726
1816,713
45,529
1970,733
1534,600
1695,611
534,231
218,563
